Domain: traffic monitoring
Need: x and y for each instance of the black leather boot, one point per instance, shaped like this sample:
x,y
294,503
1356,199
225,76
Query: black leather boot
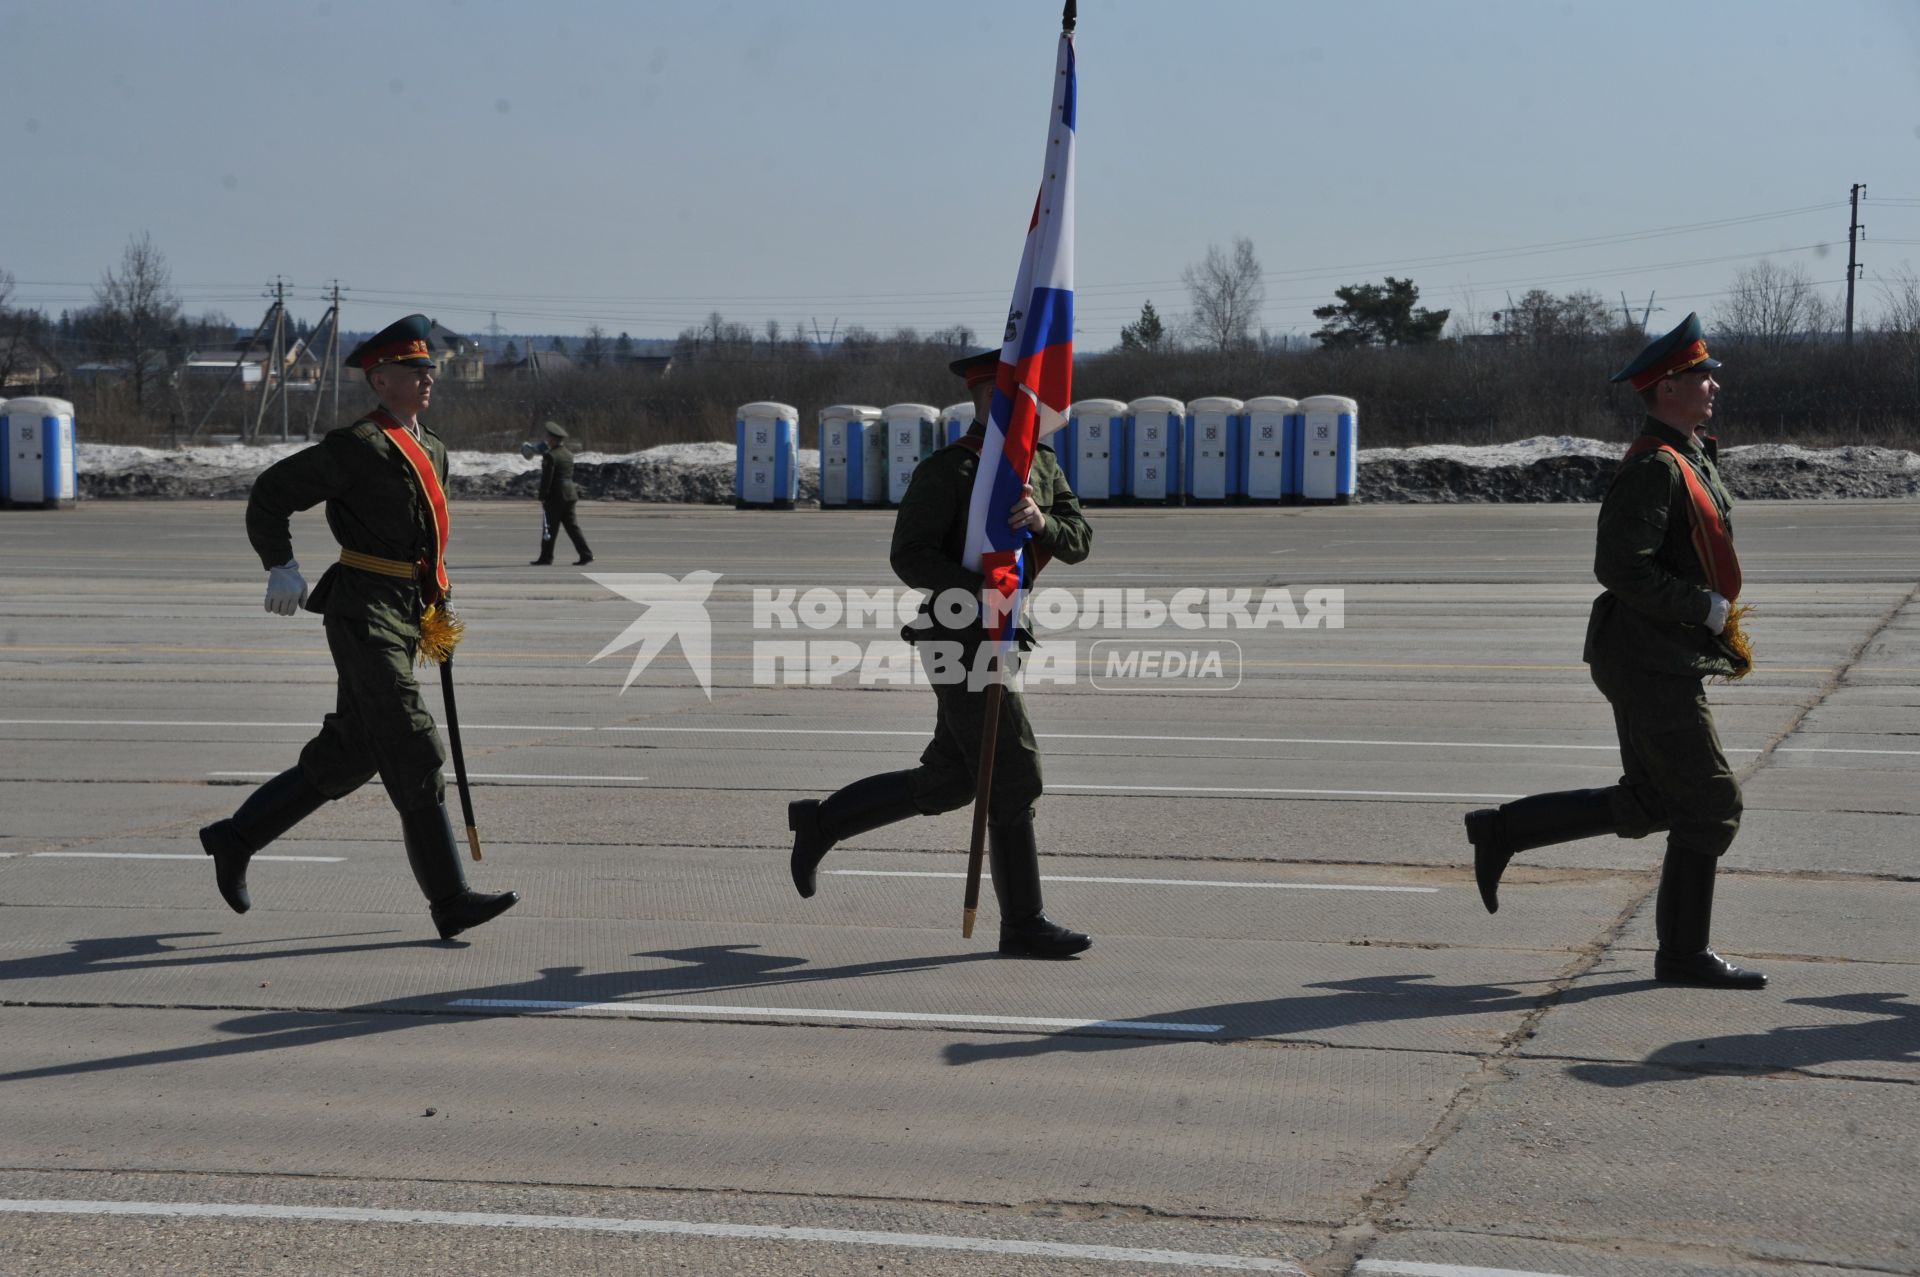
x,y
1683,919
861,807
436,867
1025,929
1499,833
268,812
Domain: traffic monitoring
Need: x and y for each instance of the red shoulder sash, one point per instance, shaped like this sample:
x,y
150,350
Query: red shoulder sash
x,y
433,569
1711,539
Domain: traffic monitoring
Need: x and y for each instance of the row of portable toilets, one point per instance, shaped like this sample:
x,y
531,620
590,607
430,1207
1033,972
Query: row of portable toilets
x,y
36,453
1151,451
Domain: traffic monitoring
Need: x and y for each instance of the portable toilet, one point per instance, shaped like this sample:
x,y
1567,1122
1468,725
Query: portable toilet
x,y
1153,449
910,431
955,420
37,462
1266,472
1212,462
843,430
1330,436
766,463
1092,449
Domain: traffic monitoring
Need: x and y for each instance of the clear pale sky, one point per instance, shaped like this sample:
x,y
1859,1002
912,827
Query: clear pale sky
x,y
638,163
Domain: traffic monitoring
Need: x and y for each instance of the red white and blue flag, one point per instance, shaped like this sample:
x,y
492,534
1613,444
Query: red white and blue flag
x,y
1035,383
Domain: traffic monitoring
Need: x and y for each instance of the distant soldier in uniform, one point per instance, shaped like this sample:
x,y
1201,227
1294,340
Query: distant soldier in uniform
x,y
1665,543
382,479
558,498
929,540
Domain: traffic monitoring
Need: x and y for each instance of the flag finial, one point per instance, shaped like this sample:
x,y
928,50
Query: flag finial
x,y
1067,18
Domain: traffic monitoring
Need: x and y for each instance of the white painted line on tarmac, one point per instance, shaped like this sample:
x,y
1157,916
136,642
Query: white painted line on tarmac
x,y
666,1227
810,1013
1324,793
1141,882
155,855
1369,742
470,776
1413,1268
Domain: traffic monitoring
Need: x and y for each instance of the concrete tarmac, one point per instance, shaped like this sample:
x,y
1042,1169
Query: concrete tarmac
x,y
1299,1044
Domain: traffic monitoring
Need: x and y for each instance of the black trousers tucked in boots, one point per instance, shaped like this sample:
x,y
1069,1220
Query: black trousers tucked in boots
x,y
268,812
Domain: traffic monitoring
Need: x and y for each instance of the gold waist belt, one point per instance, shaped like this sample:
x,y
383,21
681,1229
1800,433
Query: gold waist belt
x,y
374,563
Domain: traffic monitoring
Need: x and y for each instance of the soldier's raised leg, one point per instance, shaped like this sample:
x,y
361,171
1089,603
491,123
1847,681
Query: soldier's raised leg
x,y
861,807
268,812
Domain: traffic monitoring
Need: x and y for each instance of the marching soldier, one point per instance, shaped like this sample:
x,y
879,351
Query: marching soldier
x,y
558,498
1665,555
382,479
929,537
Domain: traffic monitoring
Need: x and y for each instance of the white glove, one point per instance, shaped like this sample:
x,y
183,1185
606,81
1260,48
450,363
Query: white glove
x,y
286,589
1717,609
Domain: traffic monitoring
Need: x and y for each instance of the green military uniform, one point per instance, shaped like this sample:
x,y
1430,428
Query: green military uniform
x,y
1648,649
375,507
929,538
380,511
1652,638
559,498
929,551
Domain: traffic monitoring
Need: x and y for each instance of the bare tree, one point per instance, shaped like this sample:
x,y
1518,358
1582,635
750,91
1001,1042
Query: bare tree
x,y
1900,317
1775,305
593,351
9,330
1227,293
141,311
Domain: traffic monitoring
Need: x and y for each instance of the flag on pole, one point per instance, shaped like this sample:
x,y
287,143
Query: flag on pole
x,y
1035,383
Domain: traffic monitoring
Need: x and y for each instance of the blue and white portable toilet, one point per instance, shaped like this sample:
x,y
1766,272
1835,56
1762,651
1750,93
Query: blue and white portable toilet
x,y
1266,467
766,461
911,429
955,420
843,471
1154,425
1092,448
1212,463
1330,443
37,462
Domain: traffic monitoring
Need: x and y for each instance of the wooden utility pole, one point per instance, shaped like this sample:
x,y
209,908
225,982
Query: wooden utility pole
x,y
1853,269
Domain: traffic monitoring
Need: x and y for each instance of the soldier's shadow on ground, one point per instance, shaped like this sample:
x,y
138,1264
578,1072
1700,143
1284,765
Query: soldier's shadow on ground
x,y
1894,1037
705,969
1306,1016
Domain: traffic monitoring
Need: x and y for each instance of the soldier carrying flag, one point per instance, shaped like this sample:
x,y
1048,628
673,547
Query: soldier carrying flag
x,y
978,520
383,481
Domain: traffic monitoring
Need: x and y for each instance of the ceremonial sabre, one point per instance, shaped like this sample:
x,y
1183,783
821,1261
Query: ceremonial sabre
x,y
989,735
459,756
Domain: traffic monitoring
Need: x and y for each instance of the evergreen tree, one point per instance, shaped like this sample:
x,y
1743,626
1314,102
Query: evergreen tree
x,y
1146,333
1379,315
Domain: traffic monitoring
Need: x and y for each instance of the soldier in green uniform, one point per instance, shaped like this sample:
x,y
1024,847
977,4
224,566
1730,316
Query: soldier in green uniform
x,y
558,497
929,537
382,479
1657,631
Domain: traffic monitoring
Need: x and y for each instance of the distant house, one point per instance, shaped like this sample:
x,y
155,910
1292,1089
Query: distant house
x,y
538,363
210,368
26,366
458,359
